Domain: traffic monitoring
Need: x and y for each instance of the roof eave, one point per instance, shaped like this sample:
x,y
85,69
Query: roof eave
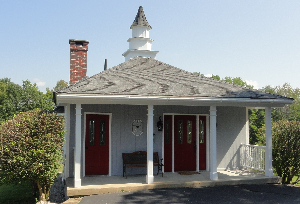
x,y
169,100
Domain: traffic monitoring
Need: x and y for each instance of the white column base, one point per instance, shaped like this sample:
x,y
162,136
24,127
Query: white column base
x,y
269,173
77,183
213,176
149,179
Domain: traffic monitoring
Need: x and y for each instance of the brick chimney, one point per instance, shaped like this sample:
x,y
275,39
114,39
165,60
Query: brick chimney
x,y
78,59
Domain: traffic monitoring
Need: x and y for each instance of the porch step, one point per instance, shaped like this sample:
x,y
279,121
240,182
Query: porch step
x,y
113,184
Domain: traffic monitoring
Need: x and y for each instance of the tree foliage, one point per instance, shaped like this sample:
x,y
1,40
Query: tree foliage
x,y
233,80
256,122
60,84
15,98
286,148
288,112
31,149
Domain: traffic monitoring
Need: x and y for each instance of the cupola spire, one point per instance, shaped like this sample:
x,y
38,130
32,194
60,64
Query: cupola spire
x,y
140,43
140,19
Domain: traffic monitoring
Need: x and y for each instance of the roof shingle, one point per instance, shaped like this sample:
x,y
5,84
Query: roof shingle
x,y
150,77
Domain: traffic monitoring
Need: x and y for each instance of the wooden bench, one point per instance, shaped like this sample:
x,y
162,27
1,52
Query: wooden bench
x,y
139,159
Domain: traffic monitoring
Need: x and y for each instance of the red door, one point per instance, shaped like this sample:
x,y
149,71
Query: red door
x,y
202,142
97,144
184,143
167,143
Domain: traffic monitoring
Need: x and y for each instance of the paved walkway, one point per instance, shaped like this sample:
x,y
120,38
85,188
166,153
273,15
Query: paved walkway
x,y
235,194
105,184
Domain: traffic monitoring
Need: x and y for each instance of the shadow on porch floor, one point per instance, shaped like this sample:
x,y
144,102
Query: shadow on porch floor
x,y
111,184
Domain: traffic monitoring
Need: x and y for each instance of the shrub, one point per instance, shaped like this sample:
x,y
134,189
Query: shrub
x,y
286,149
31,149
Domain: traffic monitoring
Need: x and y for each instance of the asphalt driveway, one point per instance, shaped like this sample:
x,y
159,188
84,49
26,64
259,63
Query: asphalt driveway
x,y
266,193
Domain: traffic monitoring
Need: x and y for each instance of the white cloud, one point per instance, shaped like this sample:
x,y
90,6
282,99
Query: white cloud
x,y
39,82
253,83
208,75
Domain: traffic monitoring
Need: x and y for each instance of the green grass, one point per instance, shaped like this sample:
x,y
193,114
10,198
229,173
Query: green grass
x,y
21,193
294,179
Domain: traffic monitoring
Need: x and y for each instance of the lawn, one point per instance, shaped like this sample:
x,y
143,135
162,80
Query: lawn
x,y
21,193
294,179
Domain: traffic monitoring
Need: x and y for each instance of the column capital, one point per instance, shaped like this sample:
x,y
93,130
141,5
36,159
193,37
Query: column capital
x,y
213,111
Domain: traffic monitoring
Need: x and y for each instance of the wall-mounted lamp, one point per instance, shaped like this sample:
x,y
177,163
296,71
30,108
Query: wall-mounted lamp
x,y
160,124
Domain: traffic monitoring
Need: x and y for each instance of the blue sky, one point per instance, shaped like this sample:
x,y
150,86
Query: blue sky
x,y
256,40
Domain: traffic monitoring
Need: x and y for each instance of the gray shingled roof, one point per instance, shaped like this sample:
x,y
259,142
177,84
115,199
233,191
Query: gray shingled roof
x,y
140,19
149,77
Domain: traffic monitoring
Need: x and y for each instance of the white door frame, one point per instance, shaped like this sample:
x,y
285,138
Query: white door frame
x,y
197,138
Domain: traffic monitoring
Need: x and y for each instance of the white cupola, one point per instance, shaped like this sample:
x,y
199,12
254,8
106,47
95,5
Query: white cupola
x,y
140,44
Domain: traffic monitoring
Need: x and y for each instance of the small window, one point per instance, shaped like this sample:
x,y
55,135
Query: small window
x,y
91,132
189,132
180,132
201,131
102,132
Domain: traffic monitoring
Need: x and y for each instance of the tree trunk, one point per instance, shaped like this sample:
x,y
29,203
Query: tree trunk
x,y
42,194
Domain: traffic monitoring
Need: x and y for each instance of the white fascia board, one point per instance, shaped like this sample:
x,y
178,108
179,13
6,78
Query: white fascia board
x,y
162,100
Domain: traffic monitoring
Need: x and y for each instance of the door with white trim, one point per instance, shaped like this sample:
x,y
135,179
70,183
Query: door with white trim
x,y
185,143
97,144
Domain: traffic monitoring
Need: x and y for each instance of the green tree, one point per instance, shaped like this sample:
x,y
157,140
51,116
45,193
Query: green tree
x,y
15,98
238,81
256,122
288,112
286,148
217,77
31,149
60,84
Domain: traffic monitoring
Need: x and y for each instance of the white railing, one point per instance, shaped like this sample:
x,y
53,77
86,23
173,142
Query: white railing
x,y
253,156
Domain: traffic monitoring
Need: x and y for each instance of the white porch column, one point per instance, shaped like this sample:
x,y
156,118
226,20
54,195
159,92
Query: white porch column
x,y
150,177
268,124
77,159
67,142
213,144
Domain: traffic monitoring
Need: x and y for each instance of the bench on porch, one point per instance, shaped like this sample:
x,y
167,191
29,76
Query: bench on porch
x,y
139,159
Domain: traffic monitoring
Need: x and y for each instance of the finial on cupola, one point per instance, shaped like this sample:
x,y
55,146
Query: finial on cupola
x,y
140,44
140,19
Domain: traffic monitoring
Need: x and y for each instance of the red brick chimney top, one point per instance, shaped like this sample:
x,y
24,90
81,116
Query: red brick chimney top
x,y
78,59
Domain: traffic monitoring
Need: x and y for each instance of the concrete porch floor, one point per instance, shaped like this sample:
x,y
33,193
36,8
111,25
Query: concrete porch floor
x,y
111,184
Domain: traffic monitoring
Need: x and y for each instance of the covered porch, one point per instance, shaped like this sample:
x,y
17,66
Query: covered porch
x,y
110,184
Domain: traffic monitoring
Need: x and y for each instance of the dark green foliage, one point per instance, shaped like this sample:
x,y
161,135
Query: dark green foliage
x,y
21,193
286,148
31,149
256,121
15,98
